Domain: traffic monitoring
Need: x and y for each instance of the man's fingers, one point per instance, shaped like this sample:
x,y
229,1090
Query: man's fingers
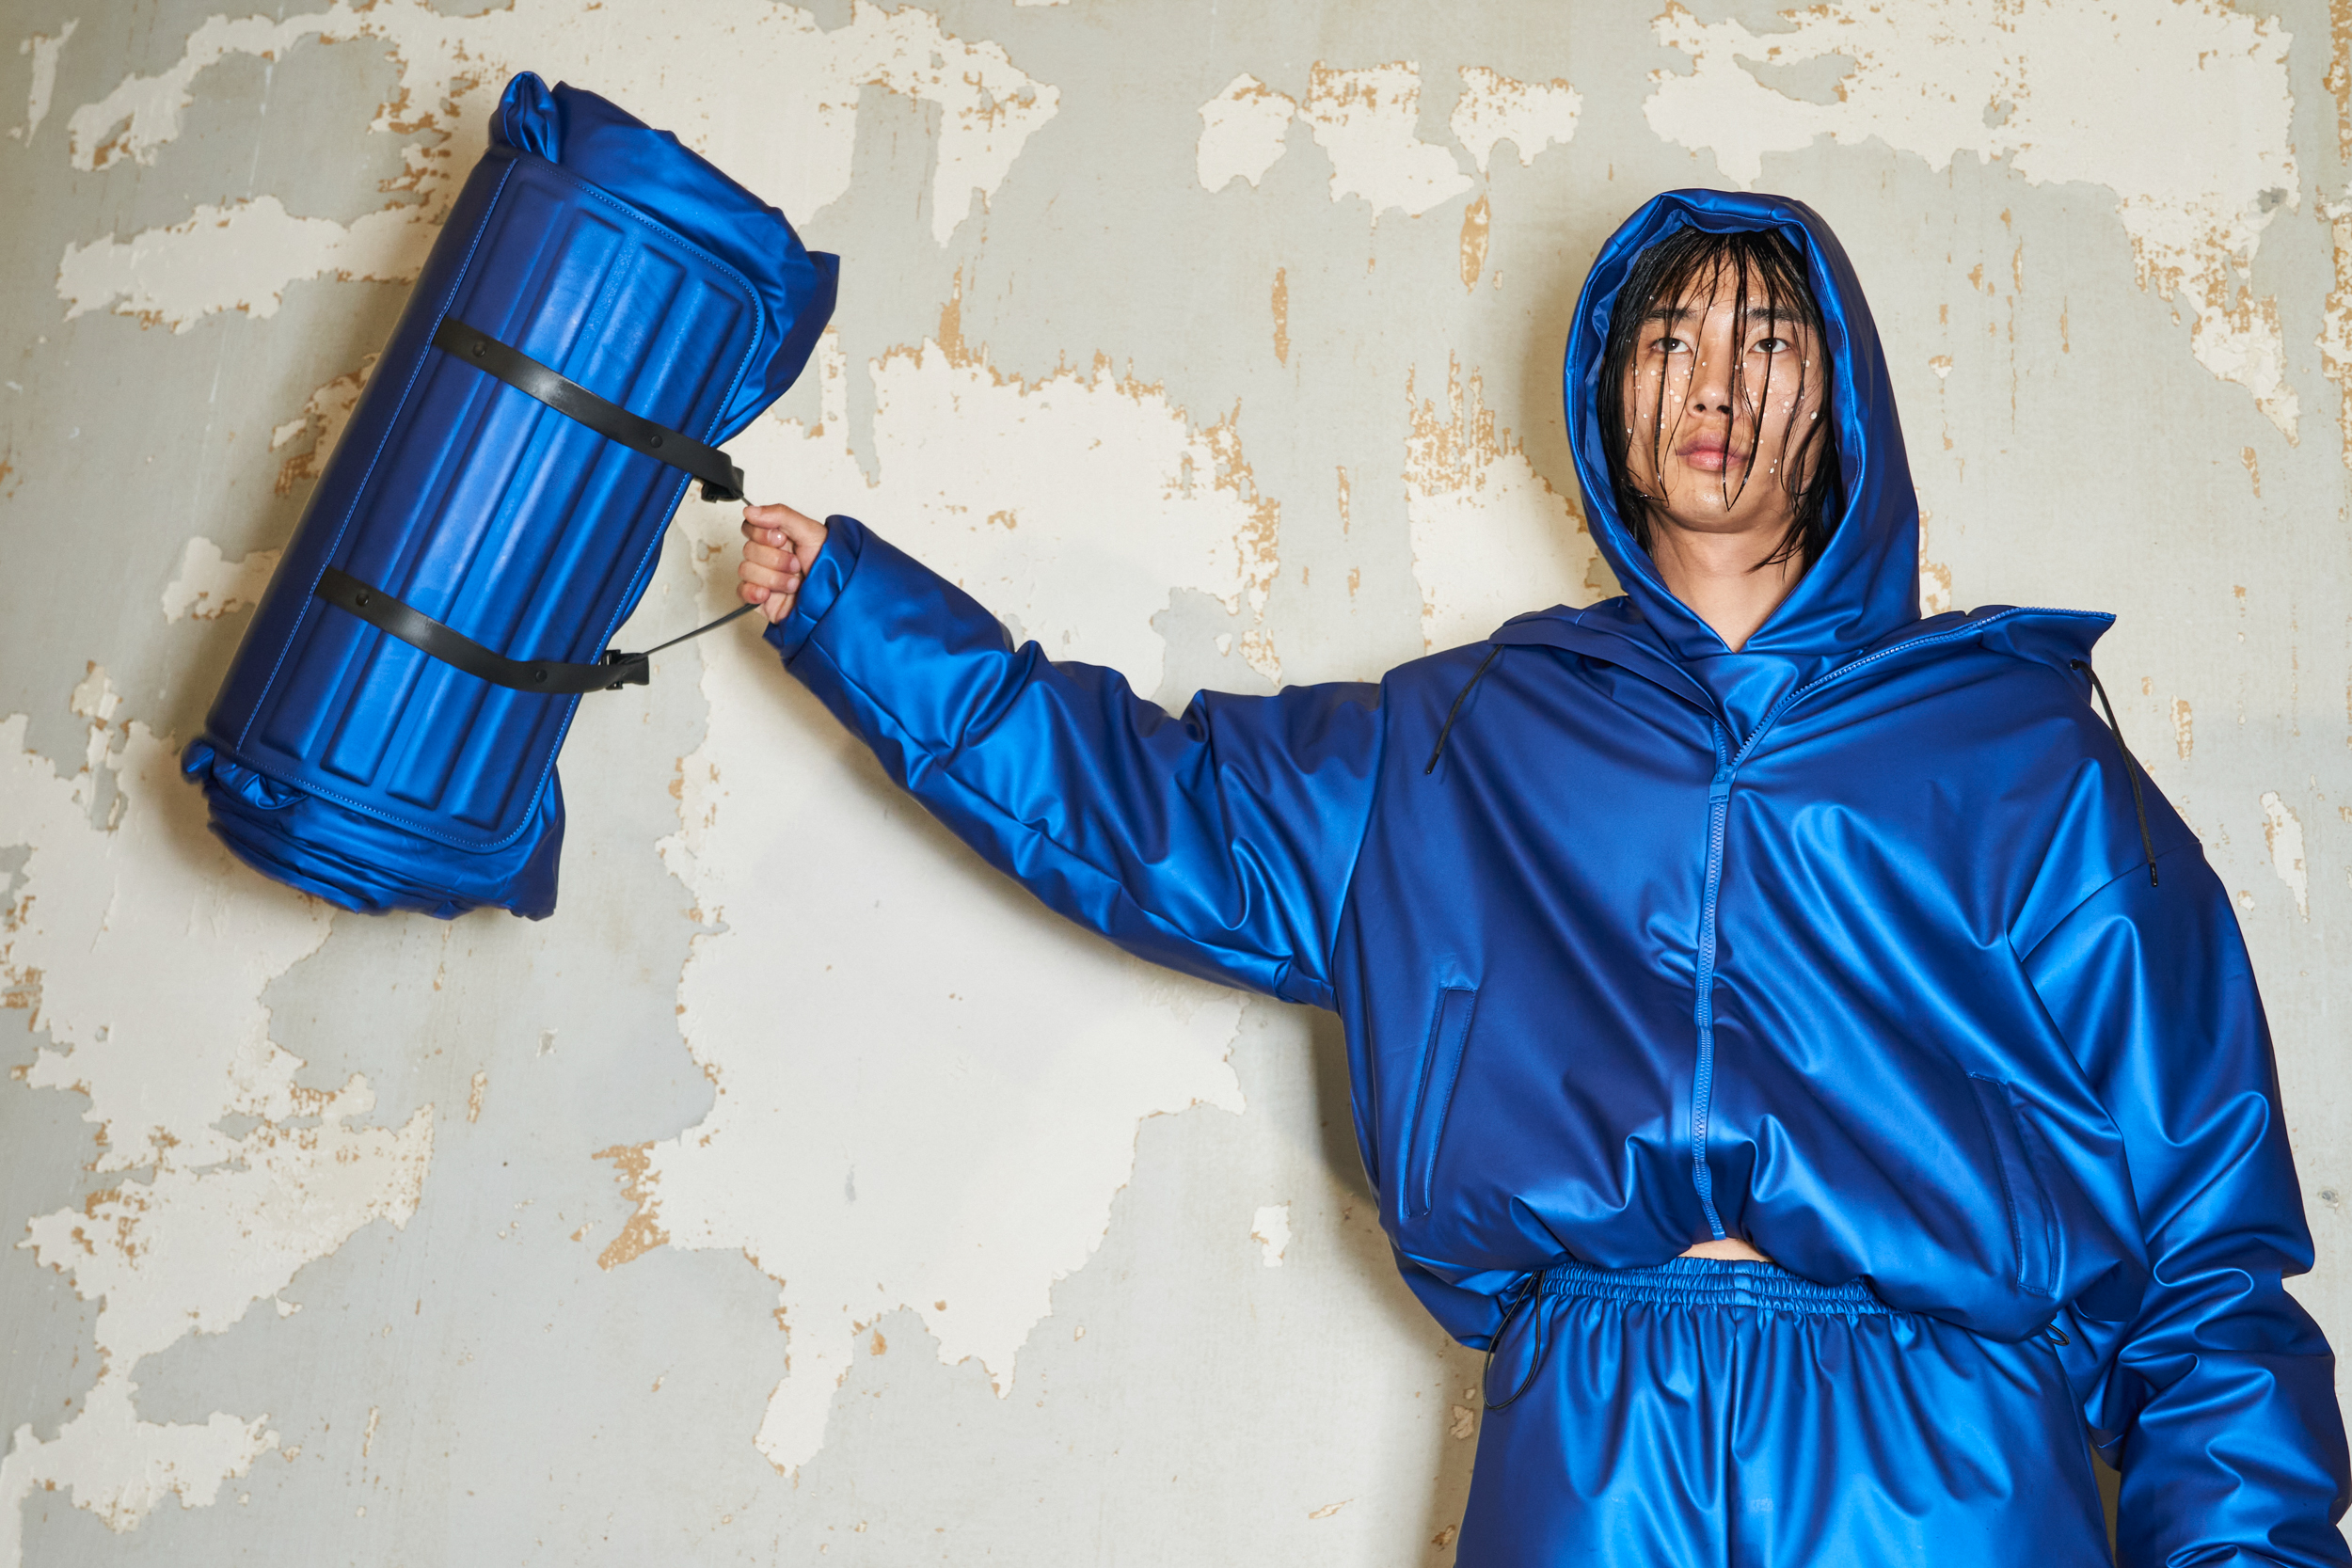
x,y
779,545
774,605
774,598
767,555
805,535
794,524
765,593
777,573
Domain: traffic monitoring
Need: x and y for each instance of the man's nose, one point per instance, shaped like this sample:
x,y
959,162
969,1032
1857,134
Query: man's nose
x,y
1711,384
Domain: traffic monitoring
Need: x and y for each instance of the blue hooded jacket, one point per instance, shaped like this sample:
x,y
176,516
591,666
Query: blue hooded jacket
x,y
1846,944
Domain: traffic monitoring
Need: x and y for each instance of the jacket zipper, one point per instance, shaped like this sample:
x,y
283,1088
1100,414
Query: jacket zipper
x,y
1703,1080
1718,820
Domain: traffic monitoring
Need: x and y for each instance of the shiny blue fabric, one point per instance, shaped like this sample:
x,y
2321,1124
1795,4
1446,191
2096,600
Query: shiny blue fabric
x,y
1844,945
351,766
1715,1412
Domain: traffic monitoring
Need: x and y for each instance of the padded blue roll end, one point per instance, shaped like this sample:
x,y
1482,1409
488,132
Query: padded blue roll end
x,y
344,761
313,844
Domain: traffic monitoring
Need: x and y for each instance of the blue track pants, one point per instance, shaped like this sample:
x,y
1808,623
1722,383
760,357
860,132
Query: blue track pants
x,y
1710,1412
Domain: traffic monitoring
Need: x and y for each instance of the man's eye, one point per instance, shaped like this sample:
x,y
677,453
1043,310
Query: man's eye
x,y
1772,346
1671,345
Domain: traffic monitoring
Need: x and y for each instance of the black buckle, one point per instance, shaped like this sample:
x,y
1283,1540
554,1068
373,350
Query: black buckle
x,y
627,669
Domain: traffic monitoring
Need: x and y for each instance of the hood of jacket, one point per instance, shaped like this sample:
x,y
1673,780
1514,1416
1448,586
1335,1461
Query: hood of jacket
x,y
1865,587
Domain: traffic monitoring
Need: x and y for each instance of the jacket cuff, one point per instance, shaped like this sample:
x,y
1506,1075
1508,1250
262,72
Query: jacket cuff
x,y
828,575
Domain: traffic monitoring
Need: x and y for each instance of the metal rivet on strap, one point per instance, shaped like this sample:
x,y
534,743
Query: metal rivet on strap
x,y
539,675
361,601
654,440
480,347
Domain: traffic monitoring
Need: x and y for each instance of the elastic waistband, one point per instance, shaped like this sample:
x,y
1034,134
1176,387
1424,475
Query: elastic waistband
x,y
1709,1282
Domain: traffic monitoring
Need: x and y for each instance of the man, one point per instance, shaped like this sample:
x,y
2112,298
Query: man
x,y
1788,1034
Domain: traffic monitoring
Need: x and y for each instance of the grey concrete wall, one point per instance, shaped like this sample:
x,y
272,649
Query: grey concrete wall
x,y
798,1188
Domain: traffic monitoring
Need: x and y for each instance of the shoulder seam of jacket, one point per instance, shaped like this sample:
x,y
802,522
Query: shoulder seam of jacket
x,y
2026,958
1363,834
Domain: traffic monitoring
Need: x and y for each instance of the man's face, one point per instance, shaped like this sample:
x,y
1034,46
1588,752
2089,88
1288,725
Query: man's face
x,y
1719,401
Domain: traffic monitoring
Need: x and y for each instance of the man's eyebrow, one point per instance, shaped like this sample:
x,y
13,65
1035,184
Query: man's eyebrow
x,y
1761,315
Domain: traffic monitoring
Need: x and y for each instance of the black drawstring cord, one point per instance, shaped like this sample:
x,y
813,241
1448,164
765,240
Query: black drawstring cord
x,y
1517,1296
1455,710
712,626
2131,765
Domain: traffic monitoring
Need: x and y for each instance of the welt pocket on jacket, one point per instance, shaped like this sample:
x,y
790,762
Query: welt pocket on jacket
x,y
2032,1221
1433,1096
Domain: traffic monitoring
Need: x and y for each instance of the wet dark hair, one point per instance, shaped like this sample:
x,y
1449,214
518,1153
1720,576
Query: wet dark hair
x,y
1765,273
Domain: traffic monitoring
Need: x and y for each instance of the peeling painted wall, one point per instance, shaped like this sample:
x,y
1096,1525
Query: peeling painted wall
x,y
800,1189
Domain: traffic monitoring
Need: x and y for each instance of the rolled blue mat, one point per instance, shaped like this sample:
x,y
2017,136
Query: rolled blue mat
x,y
602,310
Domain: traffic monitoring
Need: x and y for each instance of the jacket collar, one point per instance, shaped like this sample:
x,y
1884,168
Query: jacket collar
x,y
1613,632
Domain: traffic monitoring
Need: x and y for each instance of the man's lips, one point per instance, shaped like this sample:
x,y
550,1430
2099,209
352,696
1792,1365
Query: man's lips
x,y
1710,456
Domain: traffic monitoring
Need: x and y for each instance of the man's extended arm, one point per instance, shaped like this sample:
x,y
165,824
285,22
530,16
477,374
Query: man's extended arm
x,y
1219,842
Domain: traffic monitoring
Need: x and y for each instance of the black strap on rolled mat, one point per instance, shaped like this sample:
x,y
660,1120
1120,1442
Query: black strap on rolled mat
x,y
721,481
550,676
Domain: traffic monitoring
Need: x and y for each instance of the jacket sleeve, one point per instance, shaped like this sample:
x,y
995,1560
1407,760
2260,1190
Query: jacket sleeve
x,y
2220,1402
1220,844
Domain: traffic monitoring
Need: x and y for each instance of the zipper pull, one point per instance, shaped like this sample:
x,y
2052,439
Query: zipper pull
x,y
1719,787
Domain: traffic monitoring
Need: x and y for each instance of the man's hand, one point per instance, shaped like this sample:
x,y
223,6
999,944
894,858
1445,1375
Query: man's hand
x,y
779,547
